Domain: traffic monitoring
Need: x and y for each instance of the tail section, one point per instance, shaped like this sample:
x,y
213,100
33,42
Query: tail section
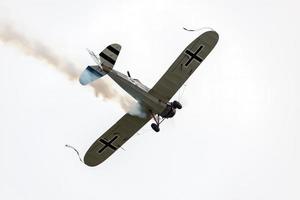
x,y
104,65
109,55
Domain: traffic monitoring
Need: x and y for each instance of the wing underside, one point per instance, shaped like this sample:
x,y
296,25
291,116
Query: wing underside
x,y
164,90
184,66
113,139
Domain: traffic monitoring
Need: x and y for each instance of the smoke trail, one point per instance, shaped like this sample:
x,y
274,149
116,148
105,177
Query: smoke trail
x,y
137,110
40,51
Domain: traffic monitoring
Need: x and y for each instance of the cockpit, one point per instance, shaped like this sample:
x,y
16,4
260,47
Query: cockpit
x,y
138,82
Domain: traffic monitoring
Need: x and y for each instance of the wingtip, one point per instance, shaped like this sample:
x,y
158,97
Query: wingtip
x,y
90,162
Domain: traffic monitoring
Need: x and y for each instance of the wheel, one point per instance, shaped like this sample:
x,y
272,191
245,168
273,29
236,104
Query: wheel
x,y
176,104
155,127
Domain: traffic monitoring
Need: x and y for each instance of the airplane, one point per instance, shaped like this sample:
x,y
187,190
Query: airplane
x,y
155,102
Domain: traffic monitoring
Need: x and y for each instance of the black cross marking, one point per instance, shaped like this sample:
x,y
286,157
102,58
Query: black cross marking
x,y
108,144
193,56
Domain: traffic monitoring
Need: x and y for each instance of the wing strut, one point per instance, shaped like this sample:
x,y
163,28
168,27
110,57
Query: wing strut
x,y
155,126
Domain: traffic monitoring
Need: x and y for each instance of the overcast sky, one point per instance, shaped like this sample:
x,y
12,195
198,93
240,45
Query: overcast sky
x,y
237,136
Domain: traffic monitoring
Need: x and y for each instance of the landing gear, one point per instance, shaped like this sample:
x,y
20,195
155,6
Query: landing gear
x,y
155,127
176,104
168,112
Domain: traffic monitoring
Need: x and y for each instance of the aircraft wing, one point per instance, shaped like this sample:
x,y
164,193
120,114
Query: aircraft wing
x,y
113,138
184,66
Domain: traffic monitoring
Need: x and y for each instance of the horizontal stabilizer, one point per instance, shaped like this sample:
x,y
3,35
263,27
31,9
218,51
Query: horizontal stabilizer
x,y
90,74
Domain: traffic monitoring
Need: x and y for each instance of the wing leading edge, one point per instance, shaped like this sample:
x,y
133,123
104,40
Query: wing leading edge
x,y
184,66
113,139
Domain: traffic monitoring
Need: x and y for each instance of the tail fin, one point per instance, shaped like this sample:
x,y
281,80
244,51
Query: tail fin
x,y
109,55
108,59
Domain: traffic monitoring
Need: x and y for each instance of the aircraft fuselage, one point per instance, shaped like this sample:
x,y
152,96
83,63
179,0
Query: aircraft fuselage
x,y
139,92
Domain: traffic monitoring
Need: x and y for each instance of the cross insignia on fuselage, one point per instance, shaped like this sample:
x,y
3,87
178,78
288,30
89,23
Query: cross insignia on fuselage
x,y
107,144
193,56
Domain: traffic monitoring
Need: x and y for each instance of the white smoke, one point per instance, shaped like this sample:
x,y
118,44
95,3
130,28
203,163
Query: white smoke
x,y
137,110
40,51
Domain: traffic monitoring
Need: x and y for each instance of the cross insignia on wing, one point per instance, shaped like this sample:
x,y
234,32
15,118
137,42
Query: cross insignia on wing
x,y
108,144
194,55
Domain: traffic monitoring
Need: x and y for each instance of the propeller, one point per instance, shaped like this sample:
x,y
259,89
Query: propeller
x,y
95,57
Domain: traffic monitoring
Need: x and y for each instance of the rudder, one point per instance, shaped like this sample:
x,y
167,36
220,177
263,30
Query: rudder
x,y
106,61
109,55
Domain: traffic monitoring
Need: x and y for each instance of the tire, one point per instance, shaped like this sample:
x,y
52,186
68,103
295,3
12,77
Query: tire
x,y
155,127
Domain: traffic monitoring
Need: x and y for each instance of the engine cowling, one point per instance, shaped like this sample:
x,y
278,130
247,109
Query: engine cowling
x,y
169,111
176,104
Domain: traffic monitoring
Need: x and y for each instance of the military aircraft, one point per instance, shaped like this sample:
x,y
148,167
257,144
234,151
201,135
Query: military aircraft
x,y
155,102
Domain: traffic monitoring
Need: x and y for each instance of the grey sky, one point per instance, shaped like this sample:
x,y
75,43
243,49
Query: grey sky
x,y
237,136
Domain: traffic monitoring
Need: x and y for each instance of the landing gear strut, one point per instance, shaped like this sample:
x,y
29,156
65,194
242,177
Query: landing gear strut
x,y
168,112
155,126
